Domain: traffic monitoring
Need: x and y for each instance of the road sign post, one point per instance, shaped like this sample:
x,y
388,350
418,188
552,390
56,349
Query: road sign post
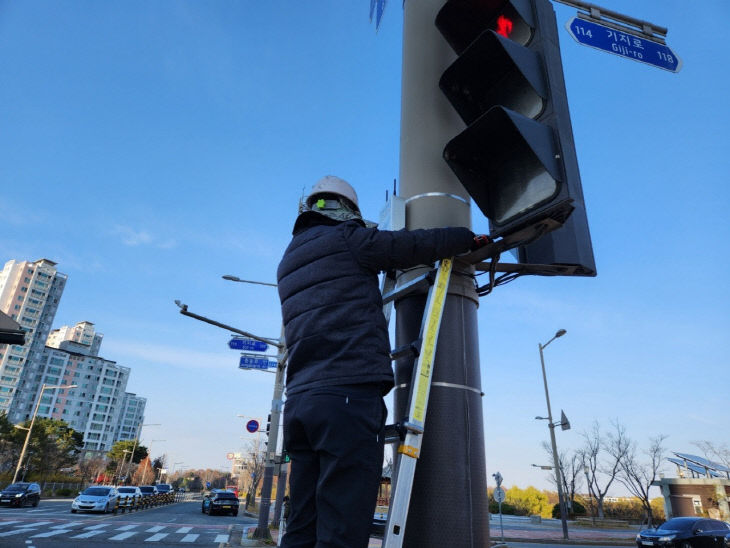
x,y
596,35
499,496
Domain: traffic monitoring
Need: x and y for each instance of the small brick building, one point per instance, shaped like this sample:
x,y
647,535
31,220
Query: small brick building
x,y
696,497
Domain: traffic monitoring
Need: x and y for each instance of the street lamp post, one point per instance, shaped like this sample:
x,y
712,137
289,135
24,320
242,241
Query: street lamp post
x,y
149,458
277,404
32,421
136,441
558,479
120,470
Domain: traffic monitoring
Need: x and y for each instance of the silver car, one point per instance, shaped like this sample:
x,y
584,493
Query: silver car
x,y
96,498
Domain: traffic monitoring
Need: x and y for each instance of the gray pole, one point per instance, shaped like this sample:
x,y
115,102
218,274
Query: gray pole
x,y
262,528
554,445
449,498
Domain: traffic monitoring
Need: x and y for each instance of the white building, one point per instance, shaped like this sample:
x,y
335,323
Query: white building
x,y
29,294
99,407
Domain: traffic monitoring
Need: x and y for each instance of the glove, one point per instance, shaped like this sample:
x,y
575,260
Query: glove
x,y
480,240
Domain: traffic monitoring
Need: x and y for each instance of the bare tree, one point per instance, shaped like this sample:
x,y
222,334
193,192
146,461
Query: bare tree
x,y
638,476
254,467
603,455
570,469
712,451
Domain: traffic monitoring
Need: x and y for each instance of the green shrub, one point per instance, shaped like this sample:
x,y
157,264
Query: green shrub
x,y
577,510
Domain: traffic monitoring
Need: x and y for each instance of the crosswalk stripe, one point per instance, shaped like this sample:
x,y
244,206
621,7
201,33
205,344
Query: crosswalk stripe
x,y
36,524
89,534
65,526
122,536
51,533
14,532
92,527
127,527
156,537
184,530
221,538
155,529
4,523
189,538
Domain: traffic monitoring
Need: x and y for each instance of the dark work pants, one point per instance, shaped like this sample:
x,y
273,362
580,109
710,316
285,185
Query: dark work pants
x,y
334,437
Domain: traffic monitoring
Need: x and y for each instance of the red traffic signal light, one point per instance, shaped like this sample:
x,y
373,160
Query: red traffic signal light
x,y
516,158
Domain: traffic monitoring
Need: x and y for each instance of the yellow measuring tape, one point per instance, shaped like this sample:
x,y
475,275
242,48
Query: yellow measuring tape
x,y
428,348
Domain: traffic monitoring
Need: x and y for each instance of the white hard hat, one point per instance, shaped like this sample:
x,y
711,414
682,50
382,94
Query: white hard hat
x,y
333,185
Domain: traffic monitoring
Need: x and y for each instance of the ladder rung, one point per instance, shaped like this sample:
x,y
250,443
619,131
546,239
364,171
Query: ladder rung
x,y
395,433
421,282
413,349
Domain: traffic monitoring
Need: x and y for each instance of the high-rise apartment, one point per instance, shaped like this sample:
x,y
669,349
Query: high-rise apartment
x,y
29,294
98,406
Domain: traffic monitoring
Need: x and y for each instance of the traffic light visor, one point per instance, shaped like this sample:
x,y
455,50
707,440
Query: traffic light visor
x,y
507,163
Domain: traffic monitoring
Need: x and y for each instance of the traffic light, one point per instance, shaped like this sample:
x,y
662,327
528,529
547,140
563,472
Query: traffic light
x,y
516,158
268,424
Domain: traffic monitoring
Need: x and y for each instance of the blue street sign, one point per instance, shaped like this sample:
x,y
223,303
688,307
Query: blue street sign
x,y
252,426
595,35
238,343
251,361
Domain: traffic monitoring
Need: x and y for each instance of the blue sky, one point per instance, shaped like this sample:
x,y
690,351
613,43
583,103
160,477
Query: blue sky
x,y
150,148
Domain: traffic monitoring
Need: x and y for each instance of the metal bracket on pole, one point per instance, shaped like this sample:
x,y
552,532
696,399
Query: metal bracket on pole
x,y
624,23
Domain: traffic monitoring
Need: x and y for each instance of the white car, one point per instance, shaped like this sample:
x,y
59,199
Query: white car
x,y
96,498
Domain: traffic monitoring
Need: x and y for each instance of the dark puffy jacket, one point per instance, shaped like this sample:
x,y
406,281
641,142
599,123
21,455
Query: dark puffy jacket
x,y
331,303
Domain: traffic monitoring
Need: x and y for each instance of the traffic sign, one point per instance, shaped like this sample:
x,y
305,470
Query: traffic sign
x,y
252,426
623,44
254,361
229,456
499,495
239,343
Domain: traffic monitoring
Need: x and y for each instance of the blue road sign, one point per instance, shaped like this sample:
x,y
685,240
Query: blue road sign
x,y
595,35
252,426
238,343
252,361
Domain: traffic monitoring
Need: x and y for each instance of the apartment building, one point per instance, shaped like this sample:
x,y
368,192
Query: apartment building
x,y
29,294
99,405
131,417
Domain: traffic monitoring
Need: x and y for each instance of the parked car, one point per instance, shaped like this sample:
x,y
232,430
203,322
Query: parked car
x,y
151,495
685,532
96,498
220,501
166,492
20,494
130,498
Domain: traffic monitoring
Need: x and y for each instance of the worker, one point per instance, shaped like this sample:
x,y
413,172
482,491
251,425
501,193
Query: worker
x,y
339,366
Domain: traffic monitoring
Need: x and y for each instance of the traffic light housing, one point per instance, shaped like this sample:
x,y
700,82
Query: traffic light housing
x,y
516,158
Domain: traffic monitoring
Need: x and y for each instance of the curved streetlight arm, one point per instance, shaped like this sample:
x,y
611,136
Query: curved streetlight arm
x,y
232,278
184,311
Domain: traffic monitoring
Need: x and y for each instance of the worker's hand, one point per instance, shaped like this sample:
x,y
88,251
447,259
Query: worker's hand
x,y
480,240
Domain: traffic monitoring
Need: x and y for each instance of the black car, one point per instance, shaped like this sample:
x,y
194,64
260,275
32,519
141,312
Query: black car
x,y
685,532
20,494
220,501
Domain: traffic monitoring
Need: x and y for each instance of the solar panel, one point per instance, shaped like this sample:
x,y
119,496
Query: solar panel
x,y
701,461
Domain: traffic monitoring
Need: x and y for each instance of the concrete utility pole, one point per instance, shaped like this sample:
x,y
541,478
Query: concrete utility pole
x,y
449,504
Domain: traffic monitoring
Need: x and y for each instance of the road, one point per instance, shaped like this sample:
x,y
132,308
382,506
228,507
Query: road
x,y
52,525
